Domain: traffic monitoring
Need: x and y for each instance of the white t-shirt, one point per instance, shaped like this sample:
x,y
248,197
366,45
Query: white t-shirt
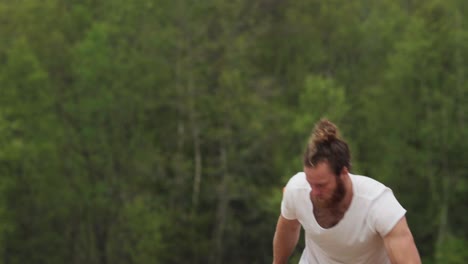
x,y
357,238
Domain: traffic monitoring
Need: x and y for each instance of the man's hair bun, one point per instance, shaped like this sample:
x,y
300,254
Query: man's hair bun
x,y
326,145
324,132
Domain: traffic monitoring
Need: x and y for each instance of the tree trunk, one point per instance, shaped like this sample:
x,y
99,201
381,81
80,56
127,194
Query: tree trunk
x,y
223,200
442,231
198,164
100,233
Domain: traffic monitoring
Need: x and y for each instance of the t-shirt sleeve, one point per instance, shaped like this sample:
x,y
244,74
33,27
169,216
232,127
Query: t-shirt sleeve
x,y
385,212
288,209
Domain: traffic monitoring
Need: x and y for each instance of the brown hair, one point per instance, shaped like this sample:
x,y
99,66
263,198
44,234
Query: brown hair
x,y
326,145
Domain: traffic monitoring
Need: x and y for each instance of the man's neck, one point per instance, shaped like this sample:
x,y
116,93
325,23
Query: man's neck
x,y
344,204
349,192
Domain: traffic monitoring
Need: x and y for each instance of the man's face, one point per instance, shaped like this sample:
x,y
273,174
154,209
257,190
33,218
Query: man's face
x,y
328,190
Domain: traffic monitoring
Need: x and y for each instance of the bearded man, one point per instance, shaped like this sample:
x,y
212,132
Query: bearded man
x,y
347,219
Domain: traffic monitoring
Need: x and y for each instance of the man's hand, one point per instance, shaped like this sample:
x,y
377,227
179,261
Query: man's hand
x,y
285,240
400,246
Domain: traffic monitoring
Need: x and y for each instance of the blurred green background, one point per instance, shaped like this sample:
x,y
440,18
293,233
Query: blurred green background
x,y
163,131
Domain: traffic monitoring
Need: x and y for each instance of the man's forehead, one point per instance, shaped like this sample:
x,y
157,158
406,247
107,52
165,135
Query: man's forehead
x,y
323,180
318,177
321,168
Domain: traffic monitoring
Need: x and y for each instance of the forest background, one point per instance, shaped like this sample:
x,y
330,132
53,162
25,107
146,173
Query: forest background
x,y
163,131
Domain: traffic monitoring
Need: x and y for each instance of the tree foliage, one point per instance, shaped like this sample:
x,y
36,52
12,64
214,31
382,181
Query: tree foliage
x,y
163,131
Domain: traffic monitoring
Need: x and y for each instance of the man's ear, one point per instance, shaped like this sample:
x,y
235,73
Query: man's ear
x,y
344,171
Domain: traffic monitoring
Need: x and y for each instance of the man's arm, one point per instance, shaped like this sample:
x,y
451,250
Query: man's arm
x,y
285,240
400,245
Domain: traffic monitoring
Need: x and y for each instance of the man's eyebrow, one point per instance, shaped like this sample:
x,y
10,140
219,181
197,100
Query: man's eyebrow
x,y
321,182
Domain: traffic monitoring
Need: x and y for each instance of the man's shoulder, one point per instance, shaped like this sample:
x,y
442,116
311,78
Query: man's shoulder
x,y
366,187
298,181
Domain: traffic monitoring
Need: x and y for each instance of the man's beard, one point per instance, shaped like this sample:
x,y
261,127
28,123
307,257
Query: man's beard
x,y
337,196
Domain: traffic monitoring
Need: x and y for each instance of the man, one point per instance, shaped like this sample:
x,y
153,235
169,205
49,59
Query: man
x,y
347,219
